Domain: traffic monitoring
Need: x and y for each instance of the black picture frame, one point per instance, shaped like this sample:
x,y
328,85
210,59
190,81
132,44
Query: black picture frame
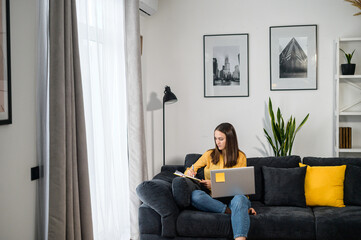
x,y
5,65
293,57
231,52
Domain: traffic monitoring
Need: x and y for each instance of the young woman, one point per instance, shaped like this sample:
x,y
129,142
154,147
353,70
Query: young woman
x,y
226,154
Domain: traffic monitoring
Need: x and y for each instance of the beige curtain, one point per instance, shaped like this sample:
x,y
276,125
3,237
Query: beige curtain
x,y
69,193
136,132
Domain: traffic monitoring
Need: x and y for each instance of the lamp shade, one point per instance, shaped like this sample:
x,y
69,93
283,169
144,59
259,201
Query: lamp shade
x,y
169,97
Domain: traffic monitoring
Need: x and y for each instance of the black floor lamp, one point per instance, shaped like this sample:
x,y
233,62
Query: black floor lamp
x,y
168,98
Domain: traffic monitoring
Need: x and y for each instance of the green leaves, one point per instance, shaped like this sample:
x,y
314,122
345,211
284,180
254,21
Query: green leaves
x,y
348,55
283,138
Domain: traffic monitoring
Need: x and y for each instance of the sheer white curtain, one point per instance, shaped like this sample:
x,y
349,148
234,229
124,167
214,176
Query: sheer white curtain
x,y
101,42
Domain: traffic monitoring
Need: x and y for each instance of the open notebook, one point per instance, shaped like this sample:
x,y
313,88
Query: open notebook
x,y
178,173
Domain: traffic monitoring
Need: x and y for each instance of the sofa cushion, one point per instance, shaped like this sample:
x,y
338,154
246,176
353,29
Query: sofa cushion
x,y
352,187
258,162
193,223
284,186
324,185
352,176
172,168
331,161
281,222
338,223
157,194
269,223
182,189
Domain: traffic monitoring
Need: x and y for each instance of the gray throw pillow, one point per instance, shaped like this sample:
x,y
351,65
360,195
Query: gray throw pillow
x,y
284,186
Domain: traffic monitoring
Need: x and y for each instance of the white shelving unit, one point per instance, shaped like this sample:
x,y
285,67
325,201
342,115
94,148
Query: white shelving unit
x,y
347,102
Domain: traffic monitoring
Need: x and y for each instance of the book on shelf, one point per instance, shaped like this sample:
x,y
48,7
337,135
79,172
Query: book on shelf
x,y
178,173
345,137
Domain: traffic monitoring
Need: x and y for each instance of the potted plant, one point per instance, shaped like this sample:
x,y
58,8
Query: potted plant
x,y
284,135
348,68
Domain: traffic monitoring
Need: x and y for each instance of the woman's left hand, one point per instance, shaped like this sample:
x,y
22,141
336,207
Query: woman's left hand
x,y
206,183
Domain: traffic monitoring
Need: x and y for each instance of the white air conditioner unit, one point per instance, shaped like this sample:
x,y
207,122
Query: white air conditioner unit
x,y
148,7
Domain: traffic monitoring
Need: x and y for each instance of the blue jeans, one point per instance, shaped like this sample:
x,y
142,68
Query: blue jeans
x,y
239,207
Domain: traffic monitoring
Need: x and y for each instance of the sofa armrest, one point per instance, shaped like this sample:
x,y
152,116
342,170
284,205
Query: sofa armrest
x,y
157,194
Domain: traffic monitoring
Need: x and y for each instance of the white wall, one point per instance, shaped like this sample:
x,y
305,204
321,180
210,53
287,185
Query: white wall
x,y
173,55
17,141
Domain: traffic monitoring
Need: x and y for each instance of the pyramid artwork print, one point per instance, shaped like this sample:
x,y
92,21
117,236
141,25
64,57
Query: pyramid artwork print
x,y
293,59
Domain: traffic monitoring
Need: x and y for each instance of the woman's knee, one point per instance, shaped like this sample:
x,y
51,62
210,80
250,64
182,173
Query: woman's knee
x,y
197,195
240,201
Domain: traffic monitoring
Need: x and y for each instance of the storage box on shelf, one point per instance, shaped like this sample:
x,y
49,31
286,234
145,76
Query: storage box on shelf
x,y
347,97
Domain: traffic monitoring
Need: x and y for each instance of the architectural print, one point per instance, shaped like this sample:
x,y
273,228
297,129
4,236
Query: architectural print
x,y
226,66
293,59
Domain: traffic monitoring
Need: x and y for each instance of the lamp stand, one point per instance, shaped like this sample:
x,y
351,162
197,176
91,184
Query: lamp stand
x,y
168,97
163,134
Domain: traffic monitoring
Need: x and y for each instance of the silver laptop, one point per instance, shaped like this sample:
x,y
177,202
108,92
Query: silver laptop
x,y
232,181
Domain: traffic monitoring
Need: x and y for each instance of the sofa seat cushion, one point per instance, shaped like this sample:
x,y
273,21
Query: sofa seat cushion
x,y
282,222
156,237
338,223
194,223
269,223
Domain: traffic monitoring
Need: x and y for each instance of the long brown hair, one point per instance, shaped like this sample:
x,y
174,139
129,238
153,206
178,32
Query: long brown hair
x,y
232,150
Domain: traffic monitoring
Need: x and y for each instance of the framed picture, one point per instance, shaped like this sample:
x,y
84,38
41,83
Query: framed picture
x,y
293,57
225,65
5,80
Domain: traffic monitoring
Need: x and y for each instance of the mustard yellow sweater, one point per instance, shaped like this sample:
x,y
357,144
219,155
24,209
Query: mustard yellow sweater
x,y
206,161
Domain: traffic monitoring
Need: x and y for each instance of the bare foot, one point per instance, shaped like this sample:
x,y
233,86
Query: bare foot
x,y
251,211
240,238
228,211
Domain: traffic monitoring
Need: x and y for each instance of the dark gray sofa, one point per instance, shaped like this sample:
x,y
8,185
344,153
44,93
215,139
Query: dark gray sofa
x,y
166,212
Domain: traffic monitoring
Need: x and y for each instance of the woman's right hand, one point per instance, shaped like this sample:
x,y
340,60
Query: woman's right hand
x,y
191,172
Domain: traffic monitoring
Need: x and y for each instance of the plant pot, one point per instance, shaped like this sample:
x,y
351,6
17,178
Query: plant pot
x,y
348,69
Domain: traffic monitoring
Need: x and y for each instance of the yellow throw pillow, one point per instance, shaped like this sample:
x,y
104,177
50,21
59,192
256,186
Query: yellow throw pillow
x,y
324,185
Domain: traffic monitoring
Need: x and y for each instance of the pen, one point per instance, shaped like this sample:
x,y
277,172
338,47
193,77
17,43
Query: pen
x,y
193,169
